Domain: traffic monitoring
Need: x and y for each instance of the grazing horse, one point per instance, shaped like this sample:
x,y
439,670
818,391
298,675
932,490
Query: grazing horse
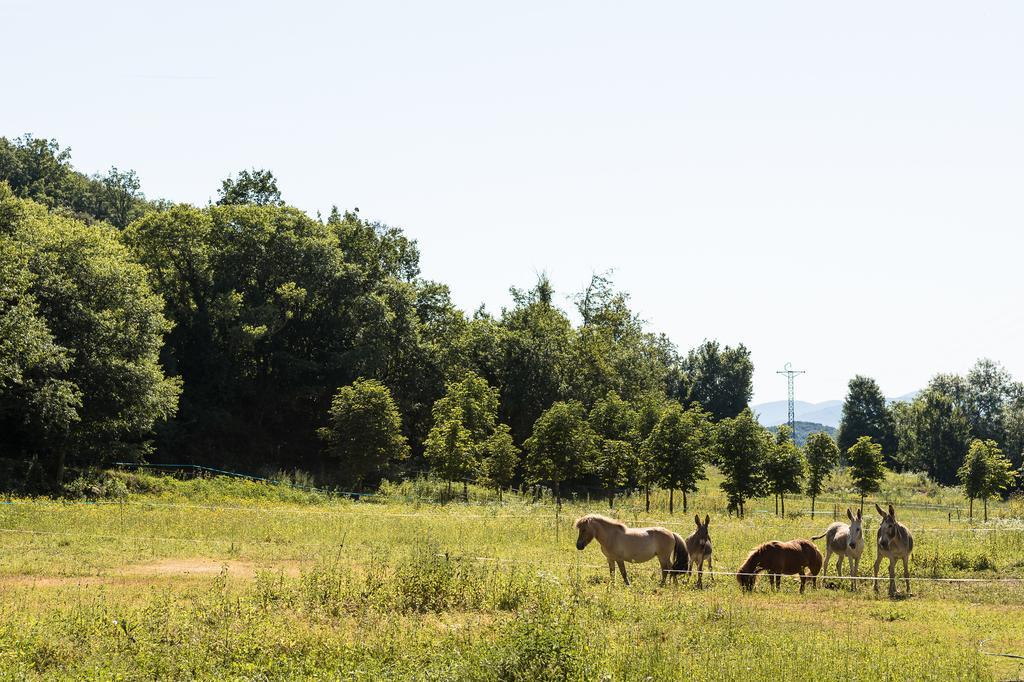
x,y
777,558
894,542
846,541
698,546
635,545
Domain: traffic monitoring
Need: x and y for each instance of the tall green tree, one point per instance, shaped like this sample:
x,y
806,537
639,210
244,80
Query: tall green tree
x,y
985,473
256,186
933,434
865,413
95,387
784,467
613,462
464,419
452,452
867,466
719,379
500,459
562,446
364,431
679,446
822,457
649,410
743,447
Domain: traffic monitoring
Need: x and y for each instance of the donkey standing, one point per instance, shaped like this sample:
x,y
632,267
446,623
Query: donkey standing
x,y
846,541
635,545
894,542
698,546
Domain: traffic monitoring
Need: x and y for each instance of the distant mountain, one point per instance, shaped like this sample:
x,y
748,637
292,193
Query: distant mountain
x,y
777,412
805,429
826,413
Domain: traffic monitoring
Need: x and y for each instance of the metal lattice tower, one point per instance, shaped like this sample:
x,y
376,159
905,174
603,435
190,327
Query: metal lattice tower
x,y
790,375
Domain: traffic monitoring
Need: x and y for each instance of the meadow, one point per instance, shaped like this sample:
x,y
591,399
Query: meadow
x,y
218,578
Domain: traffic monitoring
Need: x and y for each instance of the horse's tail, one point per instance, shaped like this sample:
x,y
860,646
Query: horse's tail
x,y
818,537
746,574
681,564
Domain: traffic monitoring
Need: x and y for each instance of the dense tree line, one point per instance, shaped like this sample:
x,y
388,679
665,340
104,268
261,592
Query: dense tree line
x,y
934,432
239,333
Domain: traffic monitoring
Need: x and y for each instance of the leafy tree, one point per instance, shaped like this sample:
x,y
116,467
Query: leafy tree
x,y
364,430
718,378
742,450
822,457
500,459
533,356
987,389
611,351
451,451
985,473
1013,426
94,388
784,467
865,413
471,405
933,434
867,466
562,446
121,196
649,410
679,446
613,462
257,186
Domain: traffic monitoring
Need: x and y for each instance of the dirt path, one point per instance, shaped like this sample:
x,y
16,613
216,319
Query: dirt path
x,y
164,568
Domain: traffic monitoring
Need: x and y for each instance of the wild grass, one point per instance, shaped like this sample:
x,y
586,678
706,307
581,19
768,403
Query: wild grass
x,y
406,588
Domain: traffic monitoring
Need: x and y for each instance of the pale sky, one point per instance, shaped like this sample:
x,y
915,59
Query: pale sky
x,y
835,185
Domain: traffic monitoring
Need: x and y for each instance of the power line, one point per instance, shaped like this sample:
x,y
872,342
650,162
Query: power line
x,y
791,374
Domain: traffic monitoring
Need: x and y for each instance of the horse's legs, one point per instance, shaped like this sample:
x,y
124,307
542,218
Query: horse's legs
x,y
906,574
892,576
611,571
622,570
878,562
803,579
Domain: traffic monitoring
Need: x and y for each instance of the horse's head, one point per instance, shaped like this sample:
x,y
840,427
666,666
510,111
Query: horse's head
x,y
585,525
888,528
856,528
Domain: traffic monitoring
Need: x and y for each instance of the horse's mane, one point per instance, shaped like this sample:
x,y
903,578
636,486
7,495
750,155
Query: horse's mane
x,y
747,572
600,519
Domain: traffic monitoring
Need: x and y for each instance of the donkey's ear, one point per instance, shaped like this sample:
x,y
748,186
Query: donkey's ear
x,y
849,514
696,518
858,515
892,512
879,510
707,520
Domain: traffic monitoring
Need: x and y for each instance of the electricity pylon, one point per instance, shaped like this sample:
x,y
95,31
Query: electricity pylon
x,y
790,375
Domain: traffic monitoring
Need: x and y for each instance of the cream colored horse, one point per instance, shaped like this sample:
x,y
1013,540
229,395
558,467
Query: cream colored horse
x,y
635,545
894,542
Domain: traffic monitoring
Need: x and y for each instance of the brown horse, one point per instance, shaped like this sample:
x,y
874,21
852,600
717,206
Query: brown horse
x,y
781,558
635,545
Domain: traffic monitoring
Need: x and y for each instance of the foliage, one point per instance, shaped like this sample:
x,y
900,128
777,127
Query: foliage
x,y
785,465
500,458
719,379
866,465
743,447
451,450
82,381
562,445
865,413
679,446
822,455
933,434
614,460
986,472
364,431
257,186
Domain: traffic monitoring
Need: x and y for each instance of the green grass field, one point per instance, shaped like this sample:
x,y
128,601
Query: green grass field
x,y
224,579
